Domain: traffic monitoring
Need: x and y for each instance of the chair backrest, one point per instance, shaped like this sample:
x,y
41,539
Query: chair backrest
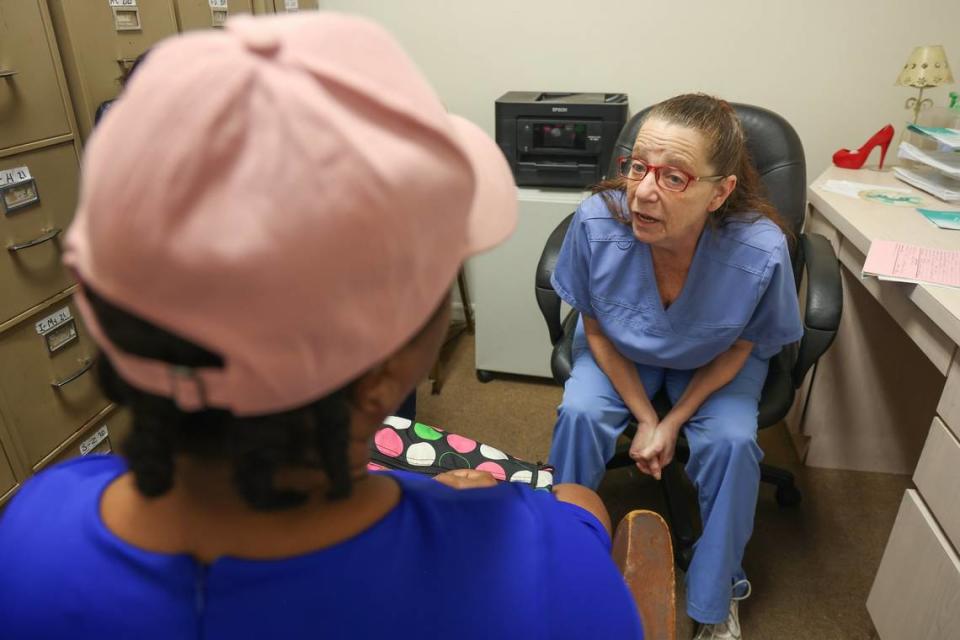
x,y
777,154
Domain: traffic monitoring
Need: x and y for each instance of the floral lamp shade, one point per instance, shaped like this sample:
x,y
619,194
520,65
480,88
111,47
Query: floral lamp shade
x,y
926,67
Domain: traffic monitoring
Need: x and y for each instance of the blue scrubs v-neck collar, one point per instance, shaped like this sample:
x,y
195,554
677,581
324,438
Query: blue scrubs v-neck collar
x,y
652,288
740,285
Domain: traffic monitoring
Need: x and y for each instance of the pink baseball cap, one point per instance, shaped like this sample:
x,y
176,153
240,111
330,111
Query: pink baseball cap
x,y
288,193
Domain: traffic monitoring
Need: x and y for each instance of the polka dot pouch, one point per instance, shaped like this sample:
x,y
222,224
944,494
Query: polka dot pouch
x,y
406,445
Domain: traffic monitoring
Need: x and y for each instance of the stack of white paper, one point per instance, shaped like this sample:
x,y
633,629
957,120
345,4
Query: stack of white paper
x,y
932,181
947,162
854,189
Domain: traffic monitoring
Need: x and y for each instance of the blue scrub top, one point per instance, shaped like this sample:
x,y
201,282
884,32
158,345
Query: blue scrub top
x,y
740,285
503,562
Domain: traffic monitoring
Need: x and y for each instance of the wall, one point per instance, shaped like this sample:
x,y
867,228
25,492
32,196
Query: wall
x,y
828,67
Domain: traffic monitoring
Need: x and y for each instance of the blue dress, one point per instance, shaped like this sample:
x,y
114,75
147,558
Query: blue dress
x,y
740,286
504,562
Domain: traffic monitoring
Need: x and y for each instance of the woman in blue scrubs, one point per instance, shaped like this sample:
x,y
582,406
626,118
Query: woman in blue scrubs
x,y
681,272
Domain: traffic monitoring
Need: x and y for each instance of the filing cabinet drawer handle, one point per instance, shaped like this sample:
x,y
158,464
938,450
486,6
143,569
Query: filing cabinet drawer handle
x,y
60,384
47,237
7,73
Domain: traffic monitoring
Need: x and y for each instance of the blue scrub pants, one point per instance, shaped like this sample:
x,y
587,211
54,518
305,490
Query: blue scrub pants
x,y
724,461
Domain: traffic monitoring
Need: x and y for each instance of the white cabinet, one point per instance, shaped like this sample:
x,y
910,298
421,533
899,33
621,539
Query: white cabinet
x,y
511,334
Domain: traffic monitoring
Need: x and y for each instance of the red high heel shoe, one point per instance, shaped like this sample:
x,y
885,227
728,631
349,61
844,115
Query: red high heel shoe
x,y
855,159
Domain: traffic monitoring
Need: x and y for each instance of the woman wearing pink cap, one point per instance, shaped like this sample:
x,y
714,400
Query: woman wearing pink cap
x,y
260,211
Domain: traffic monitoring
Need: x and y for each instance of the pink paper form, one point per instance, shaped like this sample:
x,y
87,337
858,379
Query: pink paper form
x,y
891,260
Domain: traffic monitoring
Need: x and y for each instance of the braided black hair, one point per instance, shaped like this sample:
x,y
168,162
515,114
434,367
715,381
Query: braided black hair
x,y
314,436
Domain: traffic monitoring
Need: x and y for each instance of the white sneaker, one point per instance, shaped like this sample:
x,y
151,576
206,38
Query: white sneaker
x,y
729,630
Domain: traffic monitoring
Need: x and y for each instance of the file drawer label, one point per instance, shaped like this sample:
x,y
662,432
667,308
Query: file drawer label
x,y
17,175
18,189
91,443
54,320
58,329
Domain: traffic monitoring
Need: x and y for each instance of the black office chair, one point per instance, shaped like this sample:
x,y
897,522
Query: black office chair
x,y
778,156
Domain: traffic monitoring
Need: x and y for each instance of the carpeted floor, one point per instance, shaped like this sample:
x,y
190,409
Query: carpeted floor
x,y
811,566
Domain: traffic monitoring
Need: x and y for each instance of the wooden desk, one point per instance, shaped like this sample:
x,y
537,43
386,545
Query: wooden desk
x,y
886,397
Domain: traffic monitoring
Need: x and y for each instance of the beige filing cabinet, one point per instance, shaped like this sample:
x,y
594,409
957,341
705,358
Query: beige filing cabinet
x,y
204,14
8,480
47,387
31,270
103,434
99,40
49,405
280,6
32,101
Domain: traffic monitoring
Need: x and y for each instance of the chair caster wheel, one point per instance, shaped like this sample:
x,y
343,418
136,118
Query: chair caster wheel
x,y
484,376
788,496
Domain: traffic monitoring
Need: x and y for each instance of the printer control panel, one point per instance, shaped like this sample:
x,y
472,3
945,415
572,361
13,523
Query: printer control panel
x,y
553,135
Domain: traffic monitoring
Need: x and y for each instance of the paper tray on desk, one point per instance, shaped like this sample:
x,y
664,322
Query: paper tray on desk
x,y
930,180
944,136
947,162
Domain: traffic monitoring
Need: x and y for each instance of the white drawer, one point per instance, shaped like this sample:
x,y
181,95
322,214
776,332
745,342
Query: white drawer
x,y
938,479
949,407
916,593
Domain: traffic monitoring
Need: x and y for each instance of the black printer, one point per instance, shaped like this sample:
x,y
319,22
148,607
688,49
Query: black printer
x,y
559,139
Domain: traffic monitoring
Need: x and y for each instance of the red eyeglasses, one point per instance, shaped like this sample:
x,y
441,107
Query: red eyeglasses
x,y
668,177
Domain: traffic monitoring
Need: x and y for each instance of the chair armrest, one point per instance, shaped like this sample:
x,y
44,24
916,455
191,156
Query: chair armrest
x,y
643,551
824,302
547,298
561,360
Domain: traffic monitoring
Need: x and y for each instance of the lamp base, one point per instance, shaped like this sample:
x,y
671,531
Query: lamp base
x,y
918,104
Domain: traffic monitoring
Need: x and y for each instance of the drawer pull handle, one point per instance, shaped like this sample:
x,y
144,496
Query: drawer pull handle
x,y
7,73
60,384
126,64
47,237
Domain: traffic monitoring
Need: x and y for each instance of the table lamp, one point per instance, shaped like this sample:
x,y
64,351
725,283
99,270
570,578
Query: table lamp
x,y
926,67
